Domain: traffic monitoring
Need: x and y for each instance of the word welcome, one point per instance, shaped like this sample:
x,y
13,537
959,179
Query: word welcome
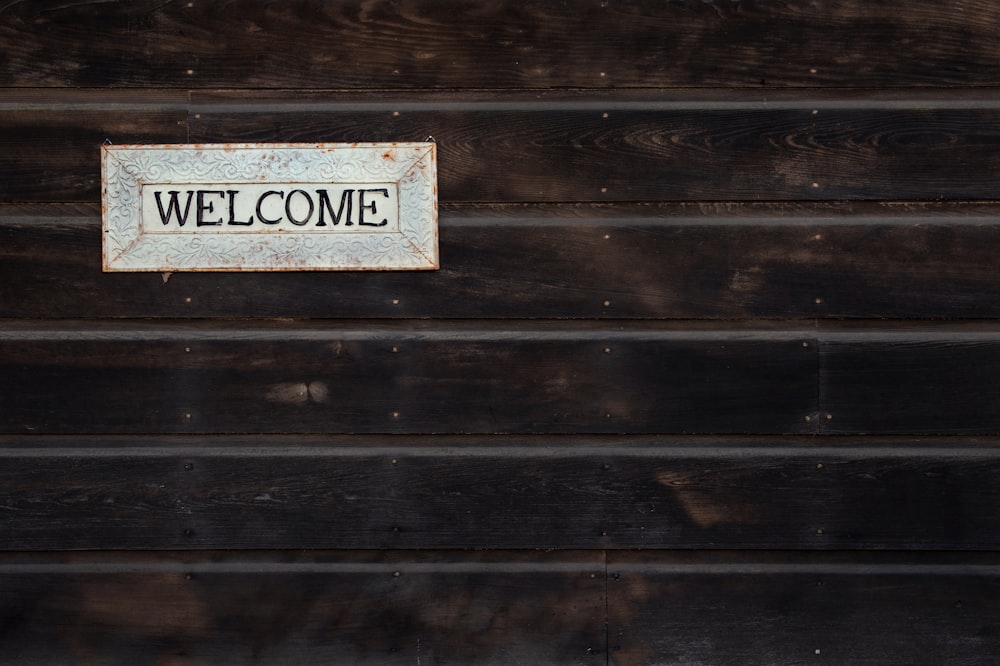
x,y
264,207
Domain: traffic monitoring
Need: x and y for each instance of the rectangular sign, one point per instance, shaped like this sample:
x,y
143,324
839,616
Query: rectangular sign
x,y
270,207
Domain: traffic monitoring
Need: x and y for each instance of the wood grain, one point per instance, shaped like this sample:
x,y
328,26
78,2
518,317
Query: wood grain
x,y
50,140
408,377
419,44
791,608
652,146
669,261
287,607
404,492
554,147
492,608
654,217
910,378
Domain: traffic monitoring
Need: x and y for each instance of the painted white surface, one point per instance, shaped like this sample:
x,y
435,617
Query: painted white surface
x,y
269,207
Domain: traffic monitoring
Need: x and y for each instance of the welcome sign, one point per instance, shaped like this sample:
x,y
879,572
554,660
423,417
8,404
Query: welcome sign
x,y
268,207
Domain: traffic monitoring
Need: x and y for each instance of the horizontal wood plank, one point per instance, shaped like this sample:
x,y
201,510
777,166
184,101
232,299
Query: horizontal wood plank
x,y
292,608
781,607
499,44
910,378
50,142
546,608
491,376
655,146
789,608
398,492
670,261
404,377
553,147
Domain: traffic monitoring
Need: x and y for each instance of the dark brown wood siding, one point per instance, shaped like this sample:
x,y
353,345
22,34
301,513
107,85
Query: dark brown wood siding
x,y
707,374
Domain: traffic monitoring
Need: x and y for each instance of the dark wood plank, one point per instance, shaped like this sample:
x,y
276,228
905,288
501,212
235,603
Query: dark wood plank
x,y
653,146
498,44
789,608
296,608
50,142
135,377
554,147
392,492
561,261
910,378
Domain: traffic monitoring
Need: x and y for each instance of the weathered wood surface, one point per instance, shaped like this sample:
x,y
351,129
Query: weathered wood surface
x,y
794,608
598,161
610,492
653,145
405,377
910,377
492,608
676,261
50,141
484,377
553,147
499,44
294,608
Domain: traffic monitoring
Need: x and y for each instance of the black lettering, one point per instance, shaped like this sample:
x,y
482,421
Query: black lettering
x,y
362,206
288,207
260,202
232,210
207,207
173,207
324,202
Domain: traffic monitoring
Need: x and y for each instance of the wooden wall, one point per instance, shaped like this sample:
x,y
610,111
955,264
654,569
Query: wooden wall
x,y
708,374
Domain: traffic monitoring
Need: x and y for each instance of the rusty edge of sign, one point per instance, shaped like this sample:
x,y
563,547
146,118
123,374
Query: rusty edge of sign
x,y
126,169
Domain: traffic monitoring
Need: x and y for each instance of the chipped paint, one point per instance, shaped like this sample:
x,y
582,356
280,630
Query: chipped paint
x,y
270,207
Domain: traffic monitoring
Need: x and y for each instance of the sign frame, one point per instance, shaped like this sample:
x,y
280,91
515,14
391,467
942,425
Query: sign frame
x,y
134,241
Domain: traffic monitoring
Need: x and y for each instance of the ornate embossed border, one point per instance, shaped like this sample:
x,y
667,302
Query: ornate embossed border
x,y
413,166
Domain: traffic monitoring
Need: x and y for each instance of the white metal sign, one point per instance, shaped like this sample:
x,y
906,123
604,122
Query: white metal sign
x,y
270,207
